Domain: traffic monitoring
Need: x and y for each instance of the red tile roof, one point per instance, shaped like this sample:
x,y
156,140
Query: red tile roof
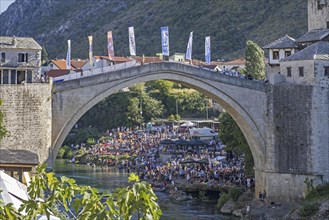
x,y
114,59
56,73
75,64
147,59
61,64
78,64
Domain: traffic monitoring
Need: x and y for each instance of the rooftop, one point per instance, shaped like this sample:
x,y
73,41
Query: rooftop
x,y
21,157
19,43
314,35
281,43
317,51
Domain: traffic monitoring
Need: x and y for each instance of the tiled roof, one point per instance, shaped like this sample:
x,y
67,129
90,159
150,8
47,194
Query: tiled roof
x,y
18,157
281,43
317,51
114,59
78,64
61,64
21,43
314,35
238,61
56,73
147,59
75,64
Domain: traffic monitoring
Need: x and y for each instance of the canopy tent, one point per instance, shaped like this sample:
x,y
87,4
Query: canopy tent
x,y
181,142
187,124
197,143
195,160
167,142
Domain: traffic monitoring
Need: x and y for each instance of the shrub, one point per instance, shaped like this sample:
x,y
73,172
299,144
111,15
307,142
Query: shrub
x,y
235,192
321,191
309,209
222,200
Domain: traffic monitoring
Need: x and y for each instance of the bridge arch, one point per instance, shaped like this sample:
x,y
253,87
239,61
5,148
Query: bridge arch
x,y
222,89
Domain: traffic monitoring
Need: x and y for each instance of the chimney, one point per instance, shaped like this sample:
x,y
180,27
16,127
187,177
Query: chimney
x,y
14,41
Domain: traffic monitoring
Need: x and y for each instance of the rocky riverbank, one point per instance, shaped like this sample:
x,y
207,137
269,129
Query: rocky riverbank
x,y
247,207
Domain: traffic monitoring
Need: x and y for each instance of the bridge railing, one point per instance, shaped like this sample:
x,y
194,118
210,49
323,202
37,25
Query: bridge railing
x,y
76,75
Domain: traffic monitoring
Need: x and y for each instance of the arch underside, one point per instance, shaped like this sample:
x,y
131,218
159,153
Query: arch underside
x,y
242,116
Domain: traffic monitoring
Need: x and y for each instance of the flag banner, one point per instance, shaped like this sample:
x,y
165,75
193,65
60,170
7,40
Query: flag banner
x,y
188,55
110,46
132,44
90,38
165,41
207,50
68,55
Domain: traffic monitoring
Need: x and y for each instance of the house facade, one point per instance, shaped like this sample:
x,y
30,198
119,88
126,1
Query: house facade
x,y
306,59
20,60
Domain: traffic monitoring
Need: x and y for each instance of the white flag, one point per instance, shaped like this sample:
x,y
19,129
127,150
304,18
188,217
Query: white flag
x,y
207,50
132,44
68,55
165,41
90,38
188,55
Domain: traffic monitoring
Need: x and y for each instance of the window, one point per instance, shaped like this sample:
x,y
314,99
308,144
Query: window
x,y
20,77
3,57
326,71
29,76
275,55
327,24
301,71
288,71
22,57
13,77
5,75
287,53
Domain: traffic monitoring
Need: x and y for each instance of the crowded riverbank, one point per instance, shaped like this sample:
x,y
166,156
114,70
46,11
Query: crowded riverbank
x,y
171,161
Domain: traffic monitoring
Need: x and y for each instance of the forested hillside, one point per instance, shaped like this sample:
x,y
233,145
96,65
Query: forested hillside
x,y
229,23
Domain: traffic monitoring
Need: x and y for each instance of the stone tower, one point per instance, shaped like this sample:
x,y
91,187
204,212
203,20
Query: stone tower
x,y
318,14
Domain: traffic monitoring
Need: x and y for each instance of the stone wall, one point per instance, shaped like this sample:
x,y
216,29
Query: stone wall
x,y
320,121
292,106
308,66
27,110
317,18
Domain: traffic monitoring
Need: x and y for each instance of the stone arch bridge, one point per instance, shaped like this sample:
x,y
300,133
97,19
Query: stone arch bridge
x,y
268,115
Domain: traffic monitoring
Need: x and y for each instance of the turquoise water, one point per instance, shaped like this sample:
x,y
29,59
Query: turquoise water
x,y
109,179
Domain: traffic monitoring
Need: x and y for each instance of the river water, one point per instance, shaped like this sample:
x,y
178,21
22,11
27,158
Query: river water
x,y
111,178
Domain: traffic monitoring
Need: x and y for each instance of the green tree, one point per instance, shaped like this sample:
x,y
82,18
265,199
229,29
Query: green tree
x,y
134,114
3,131
87,203
234,140
255,61
44,56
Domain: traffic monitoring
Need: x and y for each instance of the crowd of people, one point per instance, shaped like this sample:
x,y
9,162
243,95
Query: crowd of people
x,y
170,164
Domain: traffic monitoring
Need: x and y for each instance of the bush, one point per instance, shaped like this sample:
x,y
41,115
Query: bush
x,y
321,191
309,209
222,200
235,193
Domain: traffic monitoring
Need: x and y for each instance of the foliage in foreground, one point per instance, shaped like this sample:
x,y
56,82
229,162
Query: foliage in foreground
x,y
84,202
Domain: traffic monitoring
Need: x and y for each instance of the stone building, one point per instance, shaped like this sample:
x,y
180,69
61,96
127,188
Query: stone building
x,y
20,60
303,60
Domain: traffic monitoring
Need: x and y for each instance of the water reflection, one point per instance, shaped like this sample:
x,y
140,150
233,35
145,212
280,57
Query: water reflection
x,y
111,178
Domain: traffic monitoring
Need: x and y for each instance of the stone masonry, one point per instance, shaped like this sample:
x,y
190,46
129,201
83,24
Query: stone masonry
x,y
28,118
